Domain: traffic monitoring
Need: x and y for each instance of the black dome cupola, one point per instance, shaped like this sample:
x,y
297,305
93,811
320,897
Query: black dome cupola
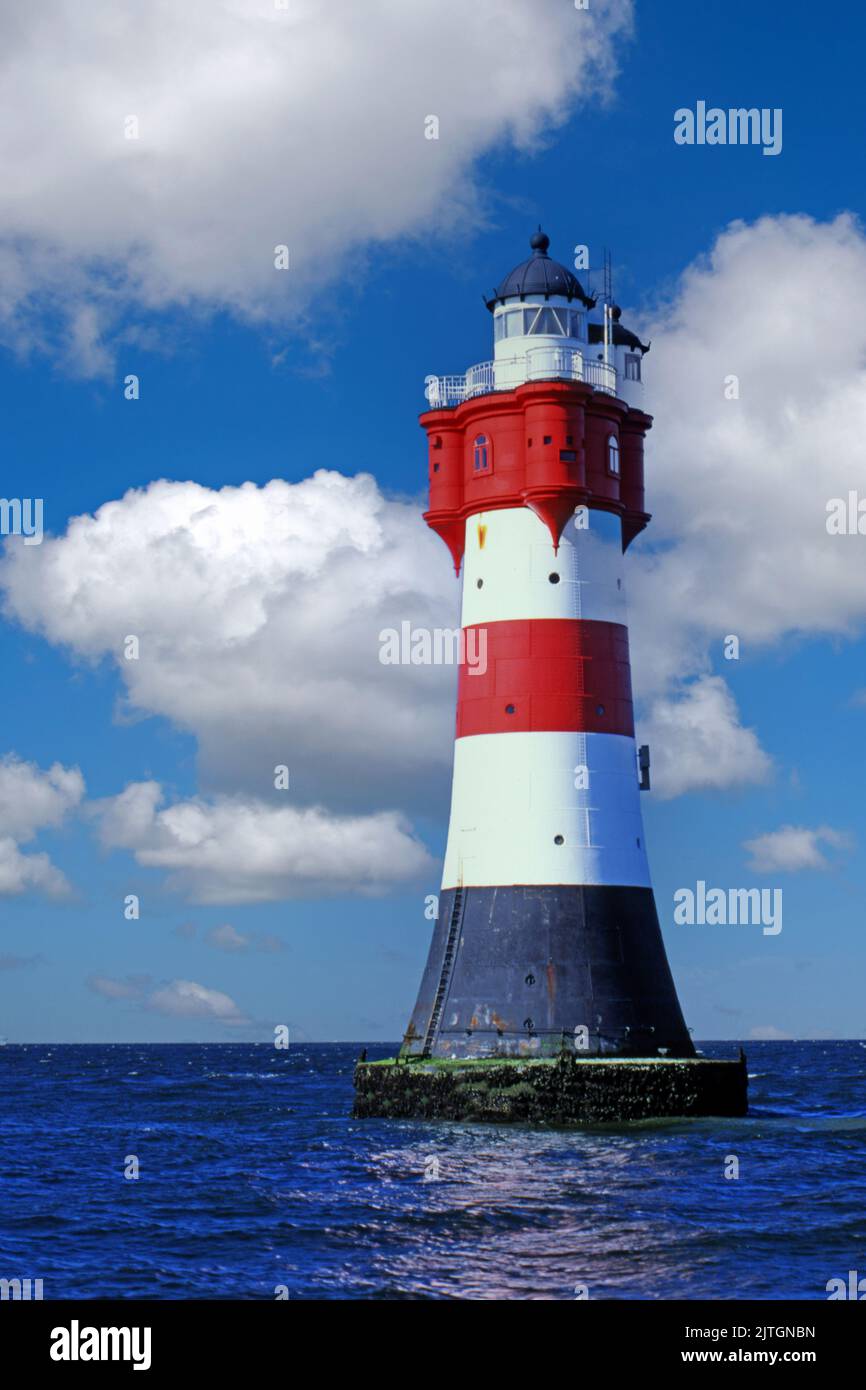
x,y
539,275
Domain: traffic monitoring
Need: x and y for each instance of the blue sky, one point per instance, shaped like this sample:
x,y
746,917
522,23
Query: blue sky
x,y
335,382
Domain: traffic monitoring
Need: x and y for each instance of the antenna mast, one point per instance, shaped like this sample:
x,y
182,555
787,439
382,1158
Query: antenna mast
x,y
608,278
607,305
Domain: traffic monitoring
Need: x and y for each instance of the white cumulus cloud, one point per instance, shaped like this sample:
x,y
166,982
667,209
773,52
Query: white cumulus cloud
x,y
739,486
32,800
227,938
258,612
173,999
795,847
21,873
233,850
698,742
257,125
186,999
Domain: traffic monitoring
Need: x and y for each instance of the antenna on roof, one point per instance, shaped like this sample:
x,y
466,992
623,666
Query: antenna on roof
x,y
608,278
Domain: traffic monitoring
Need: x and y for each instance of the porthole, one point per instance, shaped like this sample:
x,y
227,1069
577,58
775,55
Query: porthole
x,y
479,583
548,439
599,709
510,709
554,578
559,839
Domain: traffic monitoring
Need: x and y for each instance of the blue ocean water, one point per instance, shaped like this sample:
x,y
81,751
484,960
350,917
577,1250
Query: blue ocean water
x,y
252,1174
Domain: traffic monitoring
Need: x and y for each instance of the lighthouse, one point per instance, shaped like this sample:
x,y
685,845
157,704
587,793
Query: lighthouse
x,y
547,950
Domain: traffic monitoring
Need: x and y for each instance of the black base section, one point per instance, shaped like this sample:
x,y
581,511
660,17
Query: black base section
x,y
526,971
563,1092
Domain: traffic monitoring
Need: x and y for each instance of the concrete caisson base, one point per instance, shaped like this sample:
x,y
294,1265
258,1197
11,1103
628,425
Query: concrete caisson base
x,y
566,1091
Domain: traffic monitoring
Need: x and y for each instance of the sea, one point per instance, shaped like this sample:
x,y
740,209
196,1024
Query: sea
x,y
235,1171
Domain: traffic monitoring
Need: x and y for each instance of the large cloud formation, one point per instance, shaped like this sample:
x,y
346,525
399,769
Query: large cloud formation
x,y
257,613
739,484
258,124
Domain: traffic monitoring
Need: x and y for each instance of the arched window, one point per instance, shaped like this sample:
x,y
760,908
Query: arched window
x,y
613,454
481,454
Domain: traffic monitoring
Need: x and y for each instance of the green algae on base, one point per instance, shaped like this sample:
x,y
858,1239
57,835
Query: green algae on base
x,y
550,1090
419,1064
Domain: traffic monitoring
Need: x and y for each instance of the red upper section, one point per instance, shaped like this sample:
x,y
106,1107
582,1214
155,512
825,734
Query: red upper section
x,y
545,446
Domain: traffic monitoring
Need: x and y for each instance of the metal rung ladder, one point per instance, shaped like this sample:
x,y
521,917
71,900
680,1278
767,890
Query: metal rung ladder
x,y
445,973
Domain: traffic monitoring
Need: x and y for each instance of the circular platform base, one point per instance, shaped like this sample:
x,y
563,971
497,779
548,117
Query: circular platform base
x,y
563,1091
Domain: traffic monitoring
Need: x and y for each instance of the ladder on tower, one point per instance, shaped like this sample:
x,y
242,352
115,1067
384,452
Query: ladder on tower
x,y
445,973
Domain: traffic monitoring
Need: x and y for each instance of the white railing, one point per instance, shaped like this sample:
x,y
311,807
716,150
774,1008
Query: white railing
x,y
480,379
601,375
442,391
504,373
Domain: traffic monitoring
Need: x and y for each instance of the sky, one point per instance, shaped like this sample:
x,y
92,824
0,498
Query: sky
x,y
251,517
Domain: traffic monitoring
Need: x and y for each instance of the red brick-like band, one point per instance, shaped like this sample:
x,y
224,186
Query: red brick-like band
x,y
545,675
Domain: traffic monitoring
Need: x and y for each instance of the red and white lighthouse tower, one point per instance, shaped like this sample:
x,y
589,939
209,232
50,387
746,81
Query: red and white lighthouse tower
x,y
547,930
